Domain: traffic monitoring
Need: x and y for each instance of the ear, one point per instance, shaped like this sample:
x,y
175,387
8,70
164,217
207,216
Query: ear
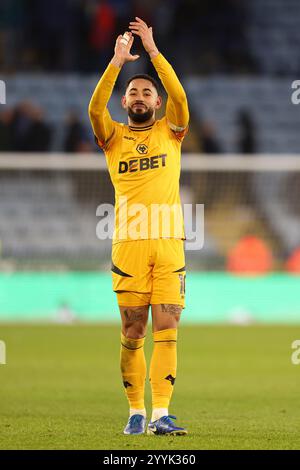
x,y
158,102
123,101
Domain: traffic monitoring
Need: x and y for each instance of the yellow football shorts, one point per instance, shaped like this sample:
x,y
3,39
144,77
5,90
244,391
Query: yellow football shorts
x,y
149,272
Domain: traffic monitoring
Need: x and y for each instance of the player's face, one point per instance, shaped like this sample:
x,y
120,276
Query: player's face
x,y
141,100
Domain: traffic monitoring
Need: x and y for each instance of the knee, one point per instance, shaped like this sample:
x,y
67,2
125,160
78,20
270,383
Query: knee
x,y
170,325
135,322
134,331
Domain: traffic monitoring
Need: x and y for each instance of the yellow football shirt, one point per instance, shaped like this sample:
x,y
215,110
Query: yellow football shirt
x,y
144,162
144,166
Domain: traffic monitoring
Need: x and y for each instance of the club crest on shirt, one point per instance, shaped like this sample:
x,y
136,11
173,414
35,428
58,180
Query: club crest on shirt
x,y
142,148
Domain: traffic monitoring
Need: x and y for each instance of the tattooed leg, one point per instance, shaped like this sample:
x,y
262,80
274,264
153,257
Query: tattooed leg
x,y
132,356
165,316
134,321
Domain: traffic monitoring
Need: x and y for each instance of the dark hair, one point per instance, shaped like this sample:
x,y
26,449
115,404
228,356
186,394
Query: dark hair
x,y
145,77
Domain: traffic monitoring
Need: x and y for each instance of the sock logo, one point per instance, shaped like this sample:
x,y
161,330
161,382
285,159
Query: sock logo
x,y
171,378
127,384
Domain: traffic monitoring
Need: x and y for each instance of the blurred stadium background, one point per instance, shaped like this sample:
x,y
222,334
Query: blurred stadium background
x,y
241,159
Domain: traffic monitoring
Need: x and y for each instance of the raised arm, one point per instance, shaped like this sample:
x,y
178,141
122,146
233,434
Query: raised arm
x,y
177,112
102,123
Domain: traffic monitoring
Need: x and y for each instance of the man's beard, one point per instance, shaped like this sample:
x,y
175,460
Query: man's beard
x,y
140,117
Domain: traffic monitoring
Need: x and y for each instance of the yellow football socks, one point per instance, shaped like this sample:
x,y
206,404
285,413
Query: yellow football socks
x,y
163,367
133,369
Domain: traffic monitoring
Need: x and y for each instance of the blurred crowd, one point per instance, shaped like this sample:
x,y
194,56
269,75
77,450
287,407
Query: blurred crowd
x,y
79,35
203,137
24,128
252,255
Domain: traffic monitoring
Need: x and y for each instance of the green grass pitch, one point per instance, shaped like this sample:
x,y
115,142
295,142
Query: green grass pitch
x,y
236,388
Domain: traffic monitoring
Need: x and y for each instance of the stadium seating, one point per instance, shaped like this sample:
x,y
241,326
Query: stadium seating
x,y
216,99
41,217
273,34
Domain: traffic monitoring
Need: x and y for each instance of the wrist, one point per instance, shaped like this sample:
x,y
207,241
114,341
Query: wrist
x,y
153,52
117,61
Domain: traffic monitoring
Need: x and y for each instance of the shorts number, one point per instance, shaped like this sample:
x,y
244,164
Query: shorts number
x,y
182,284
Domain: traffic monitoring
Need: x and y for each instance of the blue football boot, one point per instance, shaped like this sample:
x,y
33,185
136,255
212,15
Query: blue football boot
x,y
136,425
165,425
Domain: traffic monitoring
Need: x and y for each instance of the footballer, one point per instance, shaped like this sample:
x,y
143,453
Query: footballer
x,y
148,262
